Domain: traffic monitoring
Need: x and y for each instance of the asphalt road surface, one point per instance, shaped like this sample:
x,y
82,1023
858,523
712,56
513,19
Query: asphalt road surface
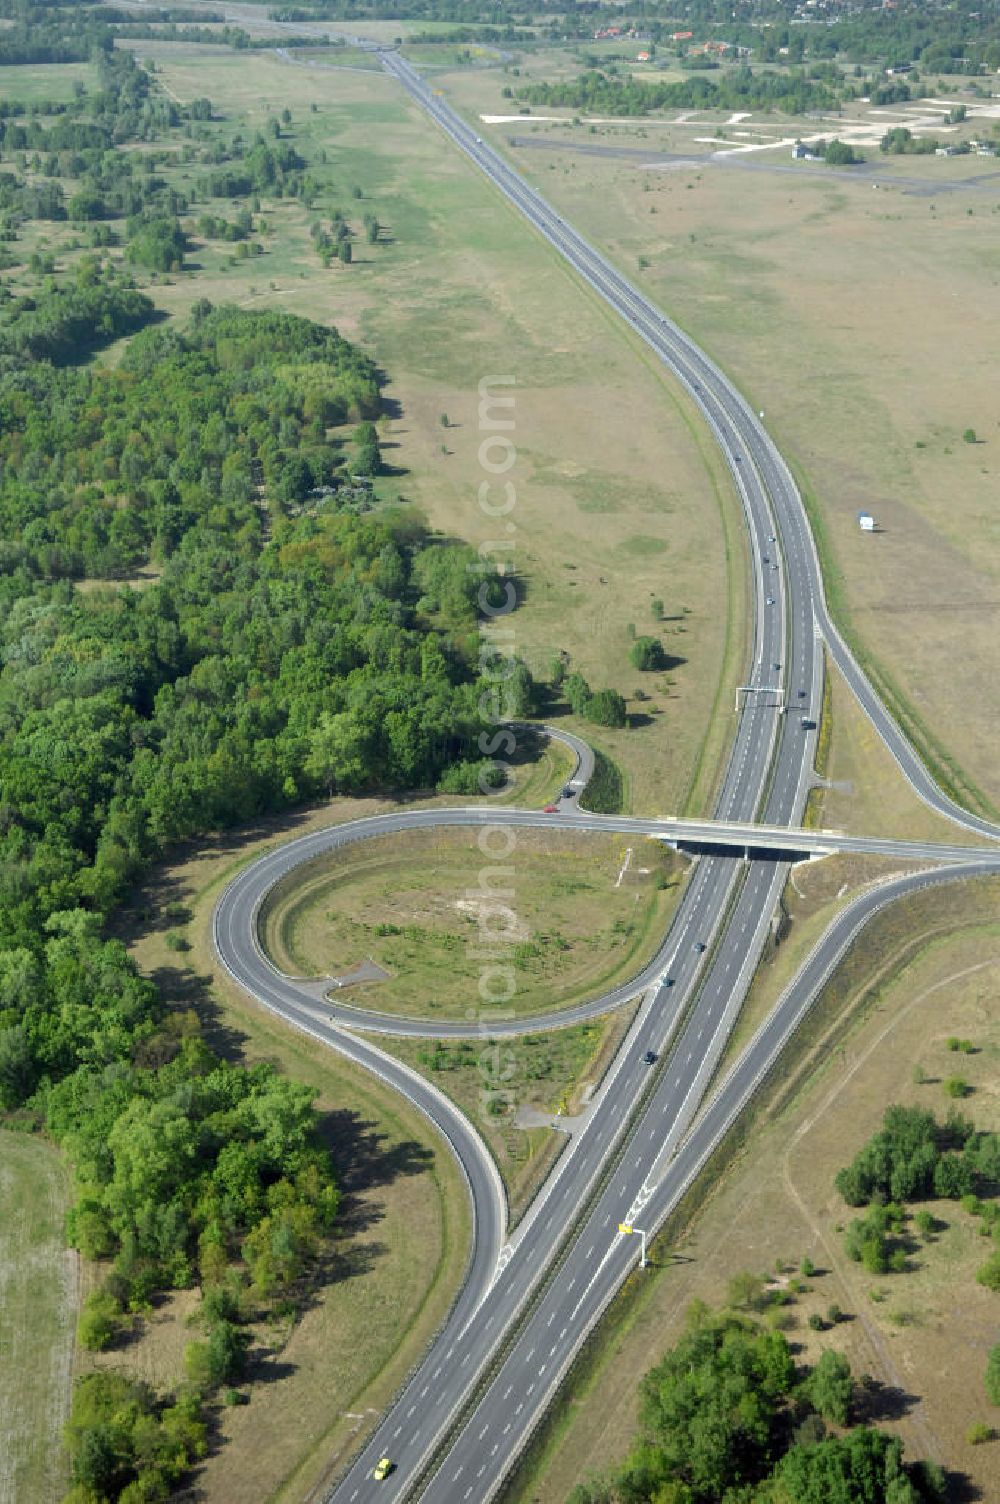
x,y
516,1325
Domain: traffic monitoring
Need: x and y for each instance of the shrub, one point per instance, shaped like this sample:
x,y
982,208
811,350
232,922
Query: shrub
x,y
925,1223
992,1380
988,1274
647,653
606,708
98,1321
830,1388
978,1432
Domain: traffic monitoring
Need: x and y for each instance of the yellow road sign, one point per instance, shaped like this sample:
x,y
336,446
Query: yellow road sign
x,y
624,1227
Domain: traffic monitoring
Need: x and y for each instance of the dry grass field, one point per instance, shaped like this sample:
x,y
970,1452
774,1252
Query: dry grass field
x,y
863,321
38,1304
573,914
924,1333
620,496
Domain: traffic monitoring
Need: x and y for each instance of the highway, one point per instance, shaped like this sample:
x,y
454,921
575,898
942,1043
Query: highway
x,y
514,1330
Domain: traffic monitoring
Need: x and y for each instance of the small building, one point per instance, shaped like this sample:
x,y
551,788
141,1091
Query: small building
x,y
800,153
866,522
642,57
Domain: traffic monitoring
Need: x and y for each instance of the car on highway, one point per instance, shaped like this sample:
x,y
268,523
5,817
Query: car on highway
x,y
650,1057
808,725
382,1469
550,809
568,791
479,140
770,600
699,946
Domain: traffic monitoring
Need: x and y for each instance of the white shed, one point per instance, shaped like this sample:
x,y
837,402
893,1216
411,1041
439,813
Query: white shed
x,y
866,522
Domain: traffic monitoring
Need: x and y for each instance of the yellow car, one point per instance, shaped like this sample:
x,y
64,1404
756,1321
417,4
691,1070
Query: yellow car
x,y
382,1470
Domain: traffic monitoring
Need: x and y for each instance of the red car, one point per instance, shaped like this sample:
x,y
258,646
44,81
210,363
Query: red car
x,y
551,809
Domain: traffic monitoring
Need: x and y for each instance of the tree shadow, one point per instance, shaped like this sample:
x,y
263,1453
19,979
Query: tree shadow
x,y
362,1156
960,1489
876,1401
183,989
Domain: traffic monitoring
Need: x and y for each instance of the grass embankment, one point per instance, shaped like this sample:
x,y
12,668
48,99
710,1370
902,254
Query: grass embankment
x,y
867,794
768,1196
572,913
538,1073
38,1307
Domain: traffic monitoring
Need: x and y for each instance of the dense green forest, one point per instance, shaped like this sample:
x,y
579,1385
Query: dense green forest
x,y
285,648
727,1417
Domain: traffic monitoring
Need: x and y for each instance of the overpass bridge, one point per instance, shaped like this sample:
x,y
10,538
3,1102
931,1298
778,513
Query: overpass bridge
x,y
734,837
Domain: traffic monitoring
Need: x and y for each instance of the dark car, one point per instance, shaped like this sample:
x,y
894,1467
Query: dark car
x,y
808,725
568,792
650,1057
699,945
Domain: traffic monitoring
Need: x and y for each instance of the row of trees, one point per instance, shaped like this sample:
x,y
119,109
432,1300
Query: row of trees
x,y
598,92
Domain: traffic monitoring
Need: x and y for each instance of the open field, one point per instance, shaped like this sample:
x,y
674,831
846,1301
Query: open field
x,y
38,1302
621,497
856,319
549,1074
923,1333
44,82
575,914
404,1223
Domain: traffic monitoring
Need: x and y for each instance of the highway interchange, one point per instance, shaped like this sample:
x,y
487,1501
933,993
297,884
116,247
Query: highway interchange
x,y
527,1302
